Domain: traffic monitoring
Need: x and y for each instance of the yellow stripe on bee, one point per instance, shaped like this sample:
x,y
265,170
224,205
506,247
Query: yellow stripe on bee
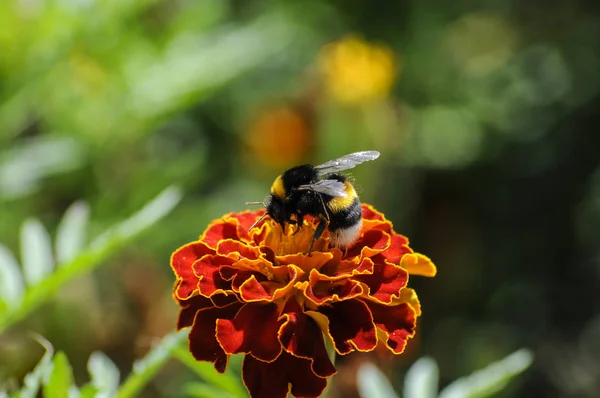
x,y
277,188
338,204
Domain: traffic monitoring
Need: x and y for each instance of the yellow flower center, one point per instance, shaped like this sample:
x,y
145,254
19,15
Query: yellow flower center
x,y
291,241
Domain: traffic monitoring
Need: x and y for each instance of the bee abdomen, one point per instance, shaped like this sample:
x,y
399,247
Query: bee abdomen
x,y
345,224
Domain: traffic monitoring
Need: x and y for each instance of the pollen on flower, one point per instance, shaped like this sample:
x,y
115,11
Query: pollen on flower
x,y
293,241
268,273
270,301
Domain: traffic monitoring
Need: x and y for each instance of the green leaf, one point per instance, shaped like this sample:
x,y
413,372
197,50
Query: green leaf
x,y
71,233
422,379
36,252
61,378
31,383
490,379
144,369
24,165
105,375
194,66
372,383
87,260
227,381
88,391
11,280
148,215
203,390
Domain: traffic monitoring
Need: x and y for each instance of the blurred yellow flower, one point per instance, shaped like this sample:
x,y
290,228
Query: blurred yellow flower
x,y
356,71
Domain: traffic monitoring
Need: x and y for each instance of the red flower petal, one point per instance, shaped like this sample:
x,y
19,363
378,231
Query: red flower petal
x,y
189,309
386,282
257,267
369,213
235,275
398,248
245,220
258,235
223,299
301,336
207,270
372,219
321,289
219,230
230,246
182,262
203,343
254,289
350,326
397,323
346,268
253,330
369,244
270,379
257,279
306,263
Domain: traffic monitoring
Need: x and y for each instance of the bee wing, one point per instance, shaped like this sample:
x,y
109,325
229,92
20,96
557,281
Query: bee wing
x,y
328,187
346,162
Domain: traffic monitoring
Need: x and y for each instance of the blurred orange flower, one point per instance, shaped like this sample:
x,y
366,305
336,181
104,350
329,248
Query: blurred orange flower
x,y
256,292
280,136
356,71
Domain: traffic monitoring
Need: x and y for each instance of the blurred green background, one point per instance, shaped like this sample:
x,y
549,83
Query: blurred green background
x,y
486,113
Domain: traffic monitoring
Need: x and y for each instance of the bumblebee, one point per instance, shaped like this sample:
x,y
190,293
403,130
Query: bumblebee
x,y
319,191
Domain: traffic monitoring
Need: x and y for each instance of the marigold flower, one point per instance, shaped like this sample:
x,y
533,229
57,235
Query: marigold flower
x,y
280,136
356,71
258,293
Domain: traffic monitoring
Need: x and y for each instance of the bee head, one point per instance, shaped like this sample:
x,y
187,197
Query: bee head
x,y
277,211
274,208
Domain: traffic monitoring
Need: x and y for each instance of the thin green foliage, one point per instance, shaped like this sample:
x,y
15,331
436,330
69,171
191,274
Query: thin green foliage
x,y
60,381
71,233
37,255
55,374
491,379
33,380
422,379
11,282
204,390
228,382
372,383
145,368
36,252
105,375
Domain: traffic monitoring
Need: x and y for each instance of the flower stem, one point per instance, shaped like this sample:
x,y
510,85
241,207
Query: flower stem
x,y
331,353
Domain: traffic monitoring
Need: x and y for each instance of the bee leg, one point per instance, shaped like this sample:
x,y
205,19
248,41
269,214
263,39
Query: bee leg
x,y
318,232
324,209
299,222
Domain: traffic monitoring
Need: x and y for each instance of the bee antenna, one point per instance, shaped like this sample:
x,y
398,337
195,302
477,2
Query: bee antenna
x,y
256,203
257,221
